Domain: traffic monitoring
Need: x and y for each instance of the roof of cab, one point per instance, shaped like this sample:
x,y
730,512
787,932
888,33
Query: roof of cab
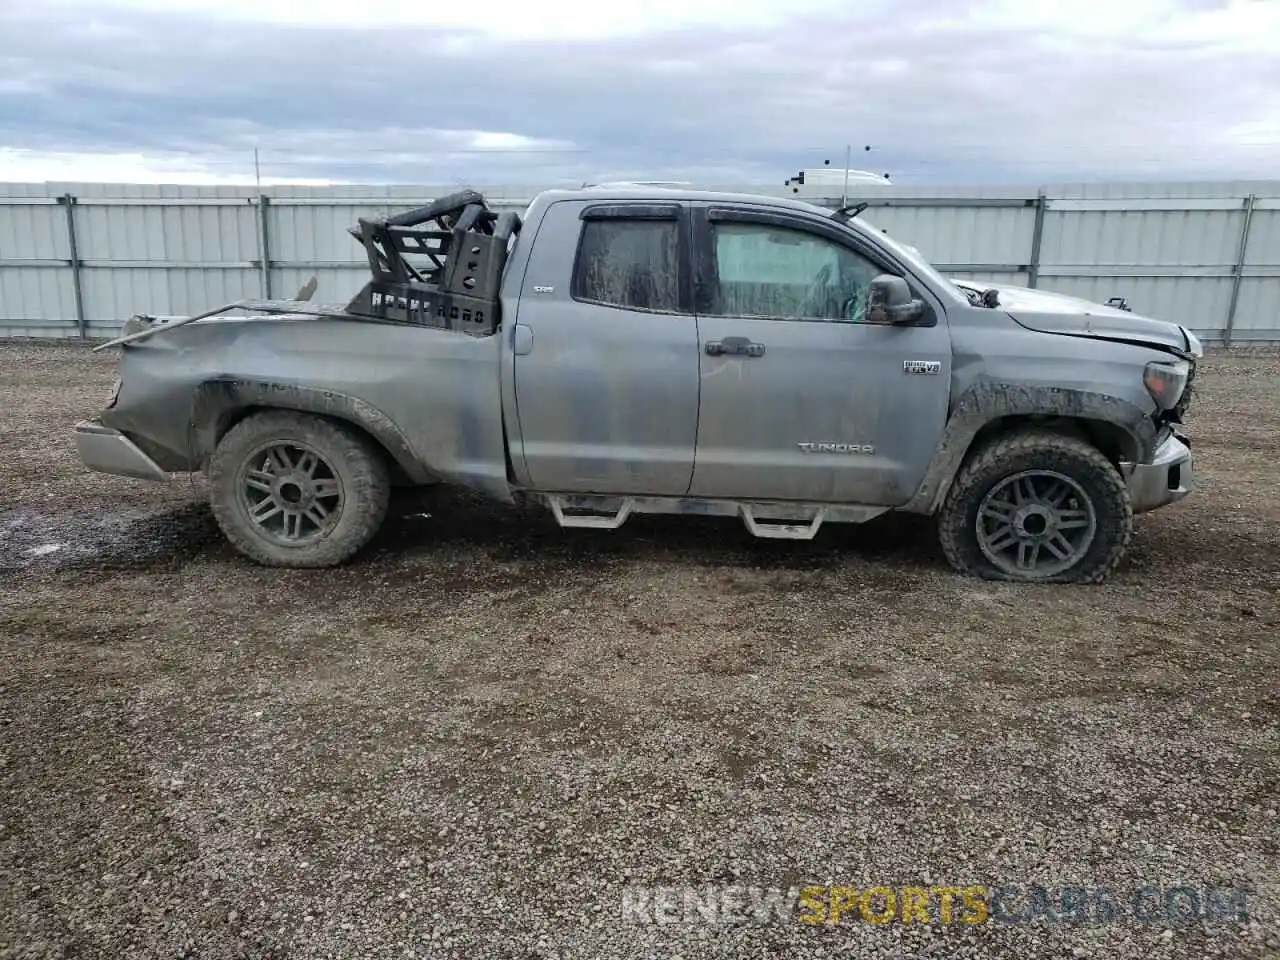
x,y
678,193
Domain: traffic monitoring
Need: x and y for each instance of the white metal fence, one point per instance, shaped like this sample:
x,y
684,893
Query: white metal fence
x,y
78,259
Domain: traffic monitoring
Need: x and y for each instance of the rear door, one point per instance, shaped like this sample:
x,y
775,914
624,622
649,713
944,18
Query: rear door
x,y
802,399
606,350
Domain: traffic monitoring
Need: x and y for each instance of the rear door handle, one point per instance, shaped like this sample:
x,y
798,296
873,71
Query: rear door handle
x,y
734,345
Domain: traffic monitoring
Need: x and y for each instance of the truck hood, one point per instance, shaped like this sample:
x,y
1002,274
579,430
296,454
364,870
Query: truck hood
x,y
1058,313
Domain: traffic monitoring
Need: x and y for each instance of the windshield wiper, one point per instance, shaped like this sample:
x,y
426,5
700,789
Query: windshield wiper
x,y
989,297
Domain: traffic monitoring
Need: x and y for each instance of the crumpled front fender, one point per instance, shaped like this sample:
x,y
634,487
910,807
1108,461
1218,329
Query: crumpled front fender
x,y
988,401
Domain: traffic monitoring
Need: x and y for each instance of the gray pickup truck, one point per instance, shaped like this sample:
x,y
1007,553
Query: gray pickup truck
x,y
637,349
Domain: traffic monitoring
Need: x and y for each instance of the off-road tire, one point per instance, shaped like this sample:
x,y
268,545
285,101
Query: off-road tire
x,y
1037,450
359,467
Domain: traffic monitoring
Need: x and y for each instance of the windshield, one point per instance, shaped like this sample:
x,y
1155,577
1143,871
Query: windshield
x,y
913,256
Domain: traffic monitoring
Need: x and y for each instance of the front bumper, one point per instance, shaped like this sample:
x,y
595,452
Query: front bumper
x,y
1167,479
110,451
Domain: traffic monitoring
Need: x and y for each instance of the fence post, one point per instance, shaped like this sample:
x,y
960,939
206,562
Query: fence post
x,y
1237,270
1037,236
68,203
264,247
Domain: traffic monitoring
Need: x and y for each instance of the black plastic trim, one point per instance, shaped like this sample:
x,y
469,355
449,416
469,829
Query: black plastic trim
x,y
632,211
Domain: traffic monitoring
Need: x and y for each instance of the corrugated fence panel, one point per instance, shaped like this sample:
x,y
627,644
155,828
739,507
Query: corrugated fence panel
x,y
1264,236
35,287
1169,257
1169,249
173,231
1258,310
310,232
1122,237
31,231
113,295
36,297
961,234
164,255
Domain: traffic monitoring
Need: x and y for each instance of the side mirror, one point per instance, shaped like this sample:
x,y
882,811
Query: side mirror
x,y
889,301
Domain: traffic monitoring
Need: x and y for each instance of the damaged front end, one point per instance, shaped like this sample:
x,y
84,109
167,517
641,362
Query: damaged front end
x,y
1171,386
1171,383
1163,472
1170,475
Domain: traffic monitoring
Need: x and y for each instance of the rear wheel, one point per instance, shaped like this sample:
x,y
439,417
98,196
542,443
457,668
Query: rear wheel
x,y
1037,507
292,489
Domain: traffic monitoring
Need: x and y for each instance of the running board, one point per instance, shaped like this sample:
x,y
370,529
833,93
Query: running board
x,y
767,520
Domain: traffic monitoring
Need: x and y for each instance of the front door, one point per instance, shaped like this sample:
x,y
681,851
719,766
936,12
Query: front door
x,y
802,399
606,351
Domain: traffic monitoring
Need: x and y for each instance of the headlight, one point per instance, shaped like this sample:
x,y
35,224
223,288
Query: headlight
x,y
1165,382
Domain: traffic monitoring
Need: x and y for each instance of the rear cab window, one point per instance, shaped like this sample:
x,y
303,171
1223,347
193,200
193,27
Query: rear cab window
x,y
629,256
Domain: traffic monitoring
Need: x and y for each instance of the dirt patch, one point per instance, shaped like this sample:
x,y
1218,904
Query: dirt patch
x,y
471,740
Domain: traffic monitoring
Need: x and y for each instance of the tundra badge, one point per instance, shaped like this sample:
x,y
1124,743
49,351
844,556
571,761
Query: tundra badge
x,y
922,368
836,447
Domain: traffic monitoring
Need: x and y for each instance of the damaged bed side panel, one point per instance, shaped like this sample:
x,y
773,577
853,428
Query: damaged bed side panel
x,y
219,403
430,397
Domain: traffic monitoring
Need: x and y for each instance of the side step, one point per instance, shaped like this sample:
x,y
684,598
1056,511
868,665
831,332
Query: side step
x,y
598,521
782,530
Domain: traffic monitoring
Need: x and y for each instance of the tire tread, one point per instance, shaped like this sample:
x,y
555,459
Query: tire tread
x,y
369,478
1049,450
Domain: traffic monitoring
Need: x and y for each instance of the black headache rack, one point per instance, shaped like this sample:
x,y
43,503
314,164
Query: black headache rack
x,y
460,247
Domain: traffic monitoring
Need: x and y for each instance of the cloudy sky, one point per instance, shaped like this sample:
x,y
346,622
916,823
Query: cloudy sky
x,y
410,91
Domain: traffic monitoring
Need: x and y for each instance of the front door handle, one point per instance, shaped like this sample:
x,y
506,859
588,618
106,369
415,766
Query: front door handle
x,y
734,345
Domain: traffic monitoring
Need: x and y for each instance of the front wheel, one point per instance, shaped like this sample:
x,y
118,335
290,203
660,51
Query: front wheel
x,y
1037,507
292,489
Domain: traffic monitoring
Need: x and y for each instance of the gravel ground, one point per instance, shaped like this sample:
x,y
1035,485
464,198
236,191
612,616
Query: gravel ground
x,y
474,739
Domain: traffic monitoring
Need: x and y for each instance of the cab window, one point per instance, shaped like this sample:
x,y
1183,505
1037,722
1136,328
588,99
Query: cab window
x,y
628,263
779,272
